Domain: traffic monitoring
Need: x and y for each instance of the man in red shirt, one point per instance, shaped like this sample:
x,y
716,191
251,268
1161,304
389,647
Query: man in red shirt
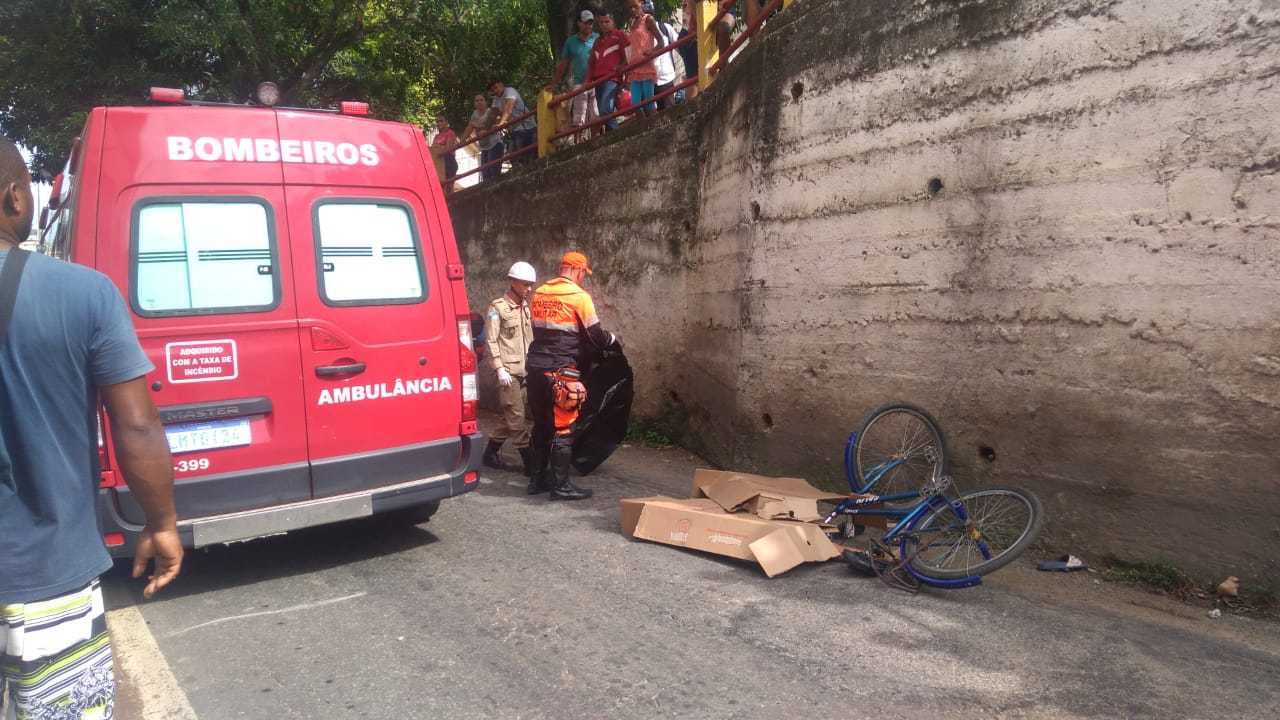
x,y
608,56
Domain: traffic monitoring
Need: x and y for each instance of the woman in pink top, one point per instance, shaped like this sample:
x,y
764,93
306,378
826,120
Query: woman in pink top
x,y
642,36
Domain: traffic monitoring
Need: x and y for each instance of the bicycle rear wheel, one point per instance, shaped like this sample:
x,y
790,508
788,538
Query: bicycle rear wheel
x,y
900,447
989,529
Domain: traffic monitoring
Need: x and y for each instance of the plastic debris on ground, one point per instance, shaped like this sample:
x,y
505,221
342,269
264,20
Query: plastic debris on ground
x,y
1066,563
1229,587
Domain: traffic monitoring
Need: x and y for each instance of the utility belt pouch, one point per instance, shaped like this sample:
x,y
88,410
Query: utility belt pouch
x,y
569,391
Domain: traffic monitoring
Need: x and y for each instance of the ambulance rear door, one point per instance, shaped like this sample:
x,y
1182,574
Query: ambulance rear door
x,y
214,309
379,344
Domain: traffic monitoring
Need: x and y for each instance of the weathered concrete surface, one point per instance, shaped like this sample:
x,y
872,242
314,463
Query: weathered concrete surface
x,y
509,607
1089,290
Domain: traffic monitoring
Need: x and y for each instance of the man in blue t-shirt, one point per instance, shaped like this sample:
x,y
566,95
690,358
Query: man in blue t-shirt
x,y
575,54
66,339
510,106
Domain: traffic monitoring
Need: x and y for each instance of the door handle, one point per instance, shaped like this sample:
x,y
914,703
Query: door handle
x,y
354,368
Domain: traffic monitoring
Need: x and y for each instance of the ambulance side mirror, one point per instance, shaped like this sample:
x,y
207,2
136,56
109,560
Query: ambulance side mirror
x,y
55,196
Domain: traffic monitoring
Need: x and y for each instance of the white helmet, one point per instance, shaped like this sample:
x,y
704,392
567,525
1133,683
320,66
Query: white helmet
x,y
522,271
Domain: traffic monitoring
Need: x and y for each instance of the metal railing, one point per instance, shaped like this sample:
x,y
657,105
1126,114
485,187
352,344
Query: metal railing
x,y
707,15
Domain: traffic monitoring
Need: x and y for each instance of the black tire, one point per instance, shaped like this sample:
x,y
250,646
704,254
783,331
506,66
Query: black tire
x,y
877,442
415,515
941,546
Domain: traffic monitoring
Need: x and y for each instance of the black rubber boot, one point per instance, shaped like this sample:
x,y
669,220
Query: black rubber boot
x,y
491,457
537,471
562,487
526,457
538,484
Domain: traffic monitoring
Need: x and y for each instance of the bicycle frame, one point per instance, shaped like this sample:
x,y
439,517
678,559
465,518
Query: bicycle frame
x,y
904,519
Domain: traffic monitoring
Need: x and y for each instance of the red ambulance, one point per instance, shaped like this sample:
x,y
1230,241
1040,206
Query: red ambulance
x,y
294,277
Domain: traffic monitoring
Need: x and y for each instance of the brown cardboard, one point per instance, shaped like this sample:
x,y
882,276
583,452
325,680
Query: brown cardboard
x,y
791,544
766,497
701,524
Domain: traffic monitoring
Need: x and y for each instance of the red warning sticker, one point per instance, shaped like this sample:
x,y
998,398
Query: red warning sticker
x,y
201,361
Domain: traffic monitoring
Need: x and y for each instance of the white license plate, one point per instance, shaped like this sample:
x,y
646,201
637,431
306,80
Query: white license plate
x,y
189,437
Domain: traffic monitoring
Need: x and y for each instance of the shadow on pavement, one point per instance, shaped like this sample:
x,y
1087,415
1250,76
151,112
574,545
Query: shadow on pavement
x,y
298,553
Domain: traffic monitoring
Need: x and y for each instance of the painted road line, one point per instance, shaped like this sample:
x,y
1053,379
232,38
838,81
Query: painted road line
x,y
292,608
141,661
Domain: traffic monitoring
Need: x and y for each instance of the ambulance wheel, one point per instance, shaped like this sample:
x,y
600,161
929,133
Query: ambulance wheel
x,y
415,515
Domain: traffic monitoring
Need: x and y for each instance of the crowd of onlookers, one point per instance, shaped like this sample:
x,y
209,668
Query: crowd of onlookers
x,y
599,54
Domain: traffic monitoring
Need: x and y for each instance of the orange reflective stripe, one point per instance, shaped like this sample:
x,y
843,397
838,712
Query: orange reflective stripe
x,y
559,304
548,325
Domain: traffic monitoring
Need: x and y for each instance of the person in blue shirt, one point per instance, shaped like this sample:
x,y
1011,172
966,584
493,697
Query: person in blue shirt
x,y
574,55
66,341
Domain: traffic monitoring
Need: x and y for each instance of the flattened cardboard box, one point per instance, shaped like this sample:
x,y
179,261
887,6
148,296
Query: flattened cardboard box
x,y
701,524
766,497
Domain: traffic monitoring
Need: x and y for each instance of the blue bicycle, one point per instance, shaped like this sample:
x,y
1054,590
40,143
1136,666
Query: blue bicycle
x,y
896,466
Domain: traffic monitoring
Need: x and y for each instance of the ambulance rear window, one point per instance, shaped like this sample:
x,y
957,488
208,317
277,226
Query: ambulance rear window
x,y
198,257
369,253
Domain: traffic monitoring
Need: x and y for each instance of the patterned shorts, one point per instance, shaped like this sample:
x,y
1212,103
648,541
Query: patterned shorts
x,y
55,659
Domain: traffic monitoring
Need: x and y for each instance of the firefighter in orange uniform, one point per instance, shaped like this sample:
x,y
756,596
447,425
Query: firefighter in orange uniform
x,y
565,327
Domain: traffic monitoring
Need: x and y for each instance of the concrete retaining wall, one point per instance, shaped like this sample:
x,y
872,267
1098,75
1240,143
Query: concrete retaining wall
x,y
1052,222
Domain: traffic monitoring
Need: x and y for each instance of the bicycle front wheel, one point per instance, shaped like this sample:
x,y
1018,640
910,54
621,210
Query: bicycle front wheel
x,y
899,448
980,532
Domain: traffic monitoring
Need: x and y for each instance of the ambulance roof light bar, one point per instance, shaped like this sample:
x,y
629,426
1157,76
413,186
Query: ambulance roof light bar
x,y
168,95
350,107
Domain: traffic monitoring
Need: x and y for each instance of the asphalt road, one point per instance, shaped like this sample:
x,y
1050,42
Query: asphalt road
x,y
509,607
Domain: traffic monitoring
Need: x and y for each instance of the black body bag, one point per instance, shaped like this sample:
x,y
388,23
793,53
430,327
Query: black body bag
x,y
602,424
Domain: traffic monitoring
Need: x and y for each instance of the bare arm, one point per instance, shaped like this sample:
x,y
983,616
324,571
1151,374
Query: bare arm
x,y
505,106
143,453
561,67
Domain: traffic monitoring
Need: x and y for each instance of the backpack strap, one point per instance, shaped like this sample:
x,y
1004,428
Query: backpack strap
x,y
664,39
9,278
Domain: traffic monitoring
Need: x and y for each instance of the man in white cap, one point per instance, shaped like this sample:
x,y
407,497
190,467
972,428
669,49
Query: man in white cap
x,y
508,333
575,56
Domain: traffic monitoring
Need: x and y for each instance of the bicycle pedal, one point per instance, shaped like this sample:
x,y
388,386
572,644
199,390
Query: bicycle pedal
x,y
859,561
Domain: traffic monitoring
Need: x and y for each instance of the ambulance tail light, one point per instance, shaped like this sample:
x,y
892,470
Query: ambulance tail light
x,y
168,95
470,389
350,107
107,477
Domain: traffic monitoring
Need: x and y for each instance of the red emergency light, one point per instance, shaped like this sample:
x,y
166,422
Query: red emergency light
x,y
351,107
168,95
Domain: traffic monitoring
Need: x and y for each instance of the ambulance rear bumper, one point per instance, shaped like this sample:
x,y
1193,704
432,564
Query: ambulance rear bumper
x,y
282,518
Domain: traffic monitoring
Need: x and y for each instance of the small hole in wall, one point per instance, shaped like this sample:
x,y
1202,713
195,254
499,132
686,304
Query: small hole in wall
x,y
986,452
767,419
797,90
675,397
935,186
755,210
688,226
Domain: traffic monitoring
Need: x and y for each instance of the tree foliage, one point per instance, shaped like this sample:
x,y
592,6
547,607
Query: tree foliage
x,y
409,58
